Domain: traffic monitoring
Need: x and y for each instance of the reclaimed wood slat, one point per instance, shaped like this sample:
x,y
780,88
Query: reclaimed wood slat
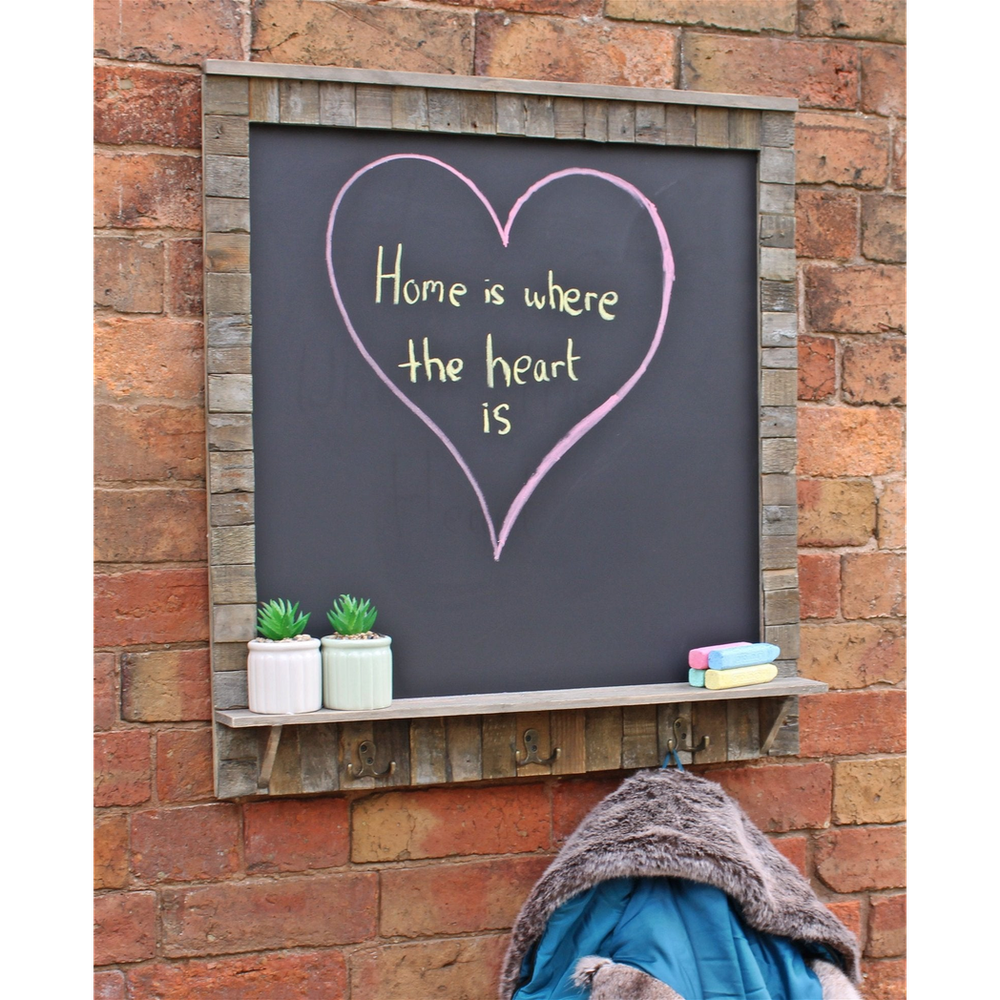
x,y
779,357
224,96
777,128
499,745
233,585
780,579
409,109
227,361
772,713
510,114
777,263
680,126
621,121
444,111
651,124
227,656
428,752
709,719
236,779
478,114
781,607
373,107
595,124
227,176
640,746
744,129
777,455
464,739
777,230
352,735
229,331
777,421
539,117
777,296
777,198
539,722
778,387
778,329
226,134
336,104
712,127
231,508
234,622
265,105
742,730
286,775
229,688
779,489
298,102
230,394
227,294
231,544
230,431
777,166
227,215
227,251
570,121
785,637
319,756
568,731
778,552
778,519
603,728
392,741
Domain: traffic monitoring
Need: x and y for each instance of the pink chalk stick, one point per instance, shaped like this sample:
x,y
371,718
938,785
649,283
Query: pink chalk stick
x,y
698,658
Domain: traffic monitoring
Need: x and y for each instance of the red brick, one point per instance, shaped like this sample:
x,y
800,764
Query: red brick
x,y
762,15
819,74
122,768
181,32
852,722
443,822
538,48
826,224
151,606
458,969
855,858
110,851
149,443
149,106
794,849
147,191
883,79
105,690
783,797
850,441
357,34
292,835
184,277
128,274
263,914
853,654
456,898
884,980
898,175
184,765
566,8
883,227
109,985
838,149
150,525
124,927
817,368
166,685
875,372
572,800
834,512
148,358
892,516
865,299
874,585
274,976
869,791
183,844
882,20
886,926
819,585
848,912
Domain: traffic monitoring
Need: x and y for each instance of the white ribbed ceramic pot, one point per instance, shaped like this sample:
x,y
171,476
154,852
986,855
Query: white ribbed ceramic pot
x,y
357,673
284,678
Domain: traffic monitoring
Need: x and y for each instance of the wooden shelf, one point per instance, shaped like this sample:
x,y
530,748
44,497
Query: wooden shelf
x,y
527,701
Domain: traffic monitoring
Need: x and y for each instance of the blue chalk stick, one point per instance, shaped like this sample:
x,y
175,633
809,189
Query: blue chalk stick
x,y
696,677
743,656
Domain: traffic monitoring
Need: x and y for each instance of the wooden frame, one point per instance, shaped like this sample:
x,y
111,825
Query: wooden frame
x,y
430,741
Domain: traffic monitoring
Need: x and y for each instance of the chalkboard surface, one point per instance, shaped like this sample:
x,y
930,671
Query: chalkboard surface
x,y
506,388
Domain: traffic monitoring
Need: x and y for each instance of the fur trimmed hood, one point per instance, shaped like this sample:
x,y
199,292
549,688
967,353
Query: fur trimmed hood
x,y
672,822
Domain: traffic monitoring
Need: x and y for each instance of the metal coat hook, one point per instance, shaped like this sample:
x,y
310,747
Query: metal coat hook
x,y
531,745
367,752
681,729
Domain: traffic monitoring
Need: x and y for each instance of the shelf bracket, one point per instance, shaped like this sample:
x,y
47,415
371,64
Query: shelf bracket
x,y
780,717
267,764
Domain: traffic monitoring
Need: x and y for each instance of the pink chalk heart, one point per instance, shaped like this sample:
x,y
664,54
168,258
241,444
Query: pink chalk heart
x,y
580,426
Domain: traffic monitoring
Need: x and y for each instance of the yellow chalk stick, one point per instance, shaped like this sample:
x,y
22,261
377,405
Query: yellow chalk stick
x,y
716,680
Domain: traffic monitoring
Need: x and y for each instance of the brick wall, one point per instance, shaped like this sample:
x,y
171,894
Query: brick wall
x,y
408,894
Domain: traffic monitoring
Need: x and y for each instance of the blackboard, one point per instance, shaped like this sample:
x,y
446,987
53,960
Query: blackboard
x,y
584,525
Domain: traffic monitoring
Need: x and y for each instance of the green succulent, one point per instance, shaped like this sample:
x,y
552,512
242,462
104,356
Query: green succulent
x,y
281,620
349,616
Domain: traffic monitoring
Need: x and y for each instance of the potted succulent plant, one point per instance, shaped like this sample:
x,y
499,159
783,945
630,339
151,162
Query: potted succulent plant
x,y
357,662
284,667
